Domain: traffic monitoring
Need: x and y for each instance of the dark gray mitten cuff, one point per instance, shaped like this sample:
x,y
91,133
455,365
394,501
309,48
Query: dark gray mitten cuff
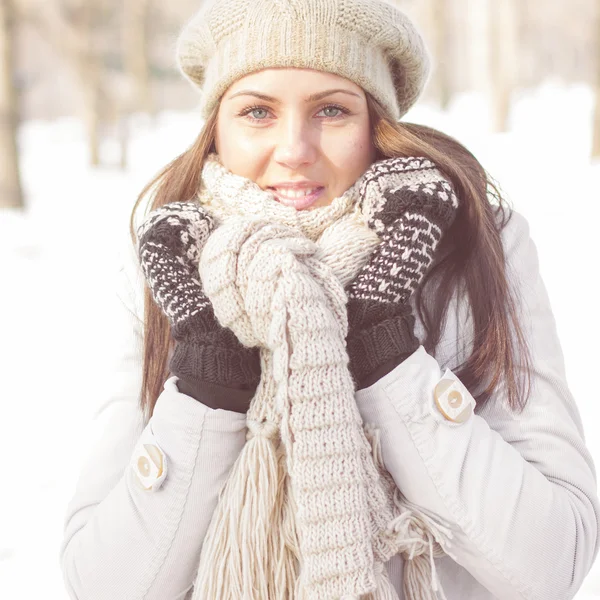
x,y
207,352
217,396
375,341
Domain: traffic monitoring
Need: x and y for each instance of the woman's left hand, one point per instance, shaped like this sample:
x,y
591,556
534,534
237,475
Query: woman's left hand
x,y
409,204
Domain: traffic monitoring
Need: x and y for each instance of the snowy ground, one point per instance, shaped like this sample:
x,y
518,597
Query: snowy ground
x,y
57,259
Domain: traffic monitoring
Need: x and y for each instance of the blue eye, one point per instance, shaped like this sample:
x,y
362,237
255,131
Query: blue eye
x,y
332,108
258,110
251,111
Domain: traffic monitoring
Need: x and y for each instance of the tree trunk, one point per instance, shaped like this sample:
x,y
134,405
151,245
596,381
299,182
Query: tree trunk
x,y
438,23
72,32
91,114
90,75
596,138
477,63
124,136
596,135
135,88
11,194
135,52
504,60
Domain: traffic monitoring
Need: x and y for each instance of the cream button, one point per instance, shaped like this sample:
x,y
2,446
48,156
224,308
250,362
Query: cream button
x,y
143,466
149,462
157,457
453,400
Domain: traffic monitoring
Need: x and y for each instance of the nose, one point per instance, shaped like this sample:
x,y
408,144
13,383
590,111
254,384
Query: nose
x,y
296,145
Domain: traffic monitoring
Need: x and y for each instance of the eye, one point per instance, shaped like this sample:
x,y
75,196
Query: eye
x,y
254,113
333,108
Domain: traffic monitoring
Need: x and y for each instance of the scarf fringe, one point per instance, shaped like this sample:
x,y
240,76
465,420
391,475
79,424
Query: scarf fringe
x,y
246,554
417,534
385,590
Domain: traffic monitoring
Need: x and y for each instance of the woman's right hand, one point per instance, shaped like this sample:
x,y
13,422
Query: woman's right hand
x,y
210,362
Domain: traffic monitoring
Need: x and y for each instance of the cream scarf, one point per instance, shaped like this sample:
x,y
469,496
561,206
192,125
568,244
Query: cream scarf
x,y
309,511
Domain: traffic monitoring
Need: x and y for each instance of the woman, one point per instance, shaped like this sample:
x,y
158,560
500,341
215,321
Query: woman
x,y
352,385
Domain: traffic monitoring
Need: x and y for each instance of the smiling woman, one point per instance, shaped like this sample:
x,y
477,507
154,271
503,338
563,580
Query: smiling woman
x,y
351,383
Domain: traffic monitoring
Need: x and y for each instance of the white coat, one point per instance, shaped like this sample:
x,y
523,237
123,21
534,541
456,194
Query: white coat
x,y
519,490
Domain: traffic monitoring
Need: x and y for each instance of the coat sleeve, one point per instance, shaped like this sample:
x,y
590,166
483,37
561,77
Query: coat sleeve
x,y
518,490
121,540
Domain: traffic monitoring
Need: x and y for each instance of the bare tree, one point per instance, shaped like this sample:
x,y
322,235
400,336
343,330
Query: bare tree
x,y
438,25
11,194
504,59
71,28
477,58
135,52
73,34
596,135
134,85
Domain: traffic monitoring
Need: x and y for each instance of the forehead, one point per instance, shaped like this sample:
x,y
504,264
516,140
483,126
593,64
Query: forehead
x,y
291,83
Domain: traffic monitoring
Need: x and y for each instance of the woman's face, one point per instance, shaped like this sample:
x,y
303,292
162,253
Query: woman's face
x,y
302,134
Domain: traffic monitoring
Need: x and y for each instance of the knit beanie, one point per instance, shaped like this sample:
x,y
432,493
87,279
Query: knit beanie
x,y
369,42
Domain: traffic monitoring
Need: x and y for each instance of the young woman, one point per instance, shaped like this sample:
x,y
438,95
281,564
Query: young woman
x,y
348,382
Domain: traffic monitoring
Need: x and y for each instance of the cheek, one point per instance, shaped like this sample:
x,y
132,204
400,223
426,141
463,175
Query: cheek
x,y
351,155
363,153
239,150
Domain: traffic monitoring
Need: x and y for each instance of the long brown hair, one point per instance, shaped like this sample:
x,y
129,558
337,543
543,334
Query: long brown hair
x,y
470,260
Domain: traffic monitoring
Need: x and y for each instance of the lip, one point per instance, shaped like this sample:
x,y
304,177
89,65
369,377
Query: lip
x,y
298,203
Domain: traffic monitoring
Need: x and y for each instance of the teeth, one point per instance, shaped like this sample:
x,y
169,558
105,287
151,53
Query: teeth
x,y
288,193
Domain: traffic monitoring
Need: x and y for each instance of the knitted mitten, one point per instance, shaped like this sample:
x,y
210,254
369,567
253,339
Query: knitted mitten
x,y
206,355
409,204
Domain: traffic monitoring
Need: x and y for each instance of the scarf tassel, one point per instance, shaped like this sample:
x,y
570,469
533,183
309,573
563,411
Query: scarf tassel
x,y
385,590
413,529
251,548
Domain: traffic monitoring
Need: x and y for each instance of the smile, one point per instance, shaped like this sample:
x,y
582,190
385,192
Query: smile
x,y
297,198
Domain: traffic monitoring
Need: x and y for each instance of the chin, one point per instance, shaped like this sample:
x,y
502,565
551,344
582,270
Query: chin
x,y
321,203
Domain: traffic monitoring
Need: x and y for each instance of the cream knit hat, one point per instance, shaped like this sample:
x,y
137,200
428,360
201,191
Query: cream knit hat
x,y
370,42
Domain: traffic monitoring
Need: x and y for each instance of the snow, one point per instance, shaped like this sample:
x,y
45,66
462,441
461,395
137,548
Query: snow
x,y
57,259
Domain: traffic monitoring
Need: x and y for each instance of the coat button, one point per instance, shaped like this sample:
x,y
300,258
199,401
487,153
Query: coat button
x,y
453,399
149,463
143,466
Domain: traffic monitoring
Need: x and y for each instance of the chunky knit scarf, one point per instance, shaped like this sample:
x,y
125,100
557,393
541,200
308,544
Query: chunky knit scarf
x,y
309,510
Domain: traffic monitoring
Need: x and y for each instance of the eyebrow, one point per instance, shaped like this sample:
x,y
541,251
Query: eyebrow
x,y
311,98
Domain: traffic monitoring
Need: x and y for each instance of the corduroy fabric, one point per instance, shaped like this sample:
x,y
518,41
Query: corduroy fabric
x,y
370,42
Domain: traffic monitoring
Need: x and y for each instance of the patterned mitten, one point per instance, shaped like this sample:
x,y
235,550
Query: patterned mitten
x,y
207,356
409,204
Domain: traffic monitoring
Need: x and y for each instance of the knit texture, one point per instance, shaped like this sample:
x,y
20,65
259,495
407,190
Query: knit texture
x,y
276,277
308,510
169,244
370,42
410,204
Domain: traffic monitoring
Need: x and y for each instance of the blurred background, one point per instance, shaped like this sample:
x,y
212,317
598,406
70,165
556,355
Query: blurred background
x,y
92,106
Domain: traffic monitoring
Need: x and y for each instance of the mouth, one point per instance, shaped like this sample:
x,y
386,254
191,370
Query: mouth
x,y
297,198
